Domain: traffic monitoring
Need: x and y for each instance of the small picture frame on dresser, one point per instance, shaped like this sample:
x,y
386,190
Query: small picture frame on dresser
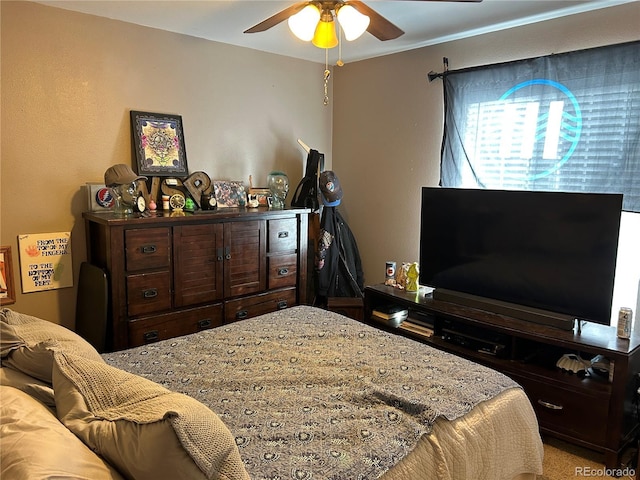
x,y
229,194
261,194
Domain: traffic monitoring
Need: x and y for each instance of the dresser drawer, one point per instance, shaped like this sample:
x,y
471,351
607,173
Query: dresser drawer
x,y
283,235
282,271
148,293
147,248
161,327
255,305
576,414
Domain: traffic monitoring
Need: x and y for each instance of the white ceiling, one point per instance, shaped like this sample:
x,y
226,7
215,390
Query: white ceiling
x,y
424,22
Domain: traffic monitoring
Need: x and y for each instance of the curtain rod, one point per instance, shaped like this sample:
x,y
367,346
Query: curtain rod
x,y
433,75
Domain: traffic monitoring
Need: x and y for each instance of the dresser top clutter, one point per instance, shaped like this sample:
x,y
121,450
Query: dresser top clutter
x,y
163,216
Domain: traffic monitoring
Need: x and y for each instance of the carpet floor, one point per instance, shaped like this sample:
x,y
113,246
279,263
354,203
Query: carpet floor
x,y
563,461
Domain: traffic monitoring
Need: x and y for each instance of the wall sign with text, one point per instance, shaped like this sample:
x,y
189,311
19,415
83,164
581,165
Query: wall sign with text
x,y
45,261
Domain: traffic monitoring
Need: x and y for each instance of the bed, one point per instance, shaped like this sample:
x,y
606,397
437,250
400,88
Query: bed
x,y
297,394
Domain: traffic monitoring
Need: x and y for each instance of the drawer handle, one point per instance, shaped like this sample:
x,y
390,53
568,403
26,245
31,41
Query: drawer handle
x,y
150,293
283,271
151,336
206,323
283,234
281,304
549,405
149,249
242,314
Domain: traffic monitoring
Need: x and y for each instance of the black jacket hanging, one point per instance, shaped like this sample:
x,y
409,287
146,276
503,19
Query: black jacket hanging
x,y
338,262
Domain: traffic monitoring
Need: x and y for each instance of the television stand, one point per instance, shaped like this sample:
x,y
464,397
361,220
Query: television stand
x,y
592,411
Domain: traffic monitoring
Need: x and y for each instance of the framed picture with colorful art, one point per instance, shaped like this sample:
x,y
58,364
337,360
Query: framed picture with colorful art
x,y
7,292
158,140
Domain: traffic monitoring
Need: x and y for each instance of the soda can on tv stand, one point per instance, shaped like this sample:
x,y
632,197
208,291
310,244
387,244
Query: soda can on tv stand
x,y
625,318
390,271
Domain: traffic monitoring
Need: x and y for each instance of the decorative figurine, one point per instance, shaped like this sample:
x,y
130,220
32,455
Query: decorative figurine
x,y
412,277
208,201
401,276
122,181
252,201
278,184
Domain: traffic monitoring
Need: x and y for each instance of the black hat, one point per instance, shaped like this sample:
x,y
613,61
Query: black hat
x,y
330,188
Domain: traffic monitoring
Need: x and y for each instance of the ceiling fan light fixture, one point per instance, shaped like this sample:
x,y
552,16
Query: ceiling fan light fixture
x,y
353,23
325,34
303,24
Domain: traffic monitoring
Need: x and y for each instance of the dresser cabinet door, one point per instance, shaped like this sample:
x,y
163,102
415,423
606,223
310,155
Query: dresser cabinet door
x,y
244,257
198,264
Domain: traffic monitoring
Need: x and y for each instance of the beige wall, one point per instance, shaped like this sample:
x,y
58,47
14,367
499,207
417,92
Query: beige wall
x,y
69,81
388,123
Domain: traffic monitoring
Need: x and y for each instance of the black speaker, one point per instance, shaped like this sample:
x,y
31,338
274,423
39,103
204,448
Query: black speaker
x,y
92,306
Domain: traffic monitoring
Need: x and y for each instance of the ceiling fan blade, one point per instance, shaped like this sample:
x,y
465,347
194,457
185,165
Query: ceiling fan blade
x,y
379,27
474,1
277,18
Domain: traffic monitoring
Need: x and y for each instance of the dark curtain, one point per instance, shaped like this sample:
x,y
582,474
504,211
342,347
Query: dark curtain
x,y
565,122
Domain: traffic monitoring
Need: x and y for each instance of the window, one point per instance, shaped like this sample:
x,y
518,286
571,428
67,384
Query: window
x,y
567,122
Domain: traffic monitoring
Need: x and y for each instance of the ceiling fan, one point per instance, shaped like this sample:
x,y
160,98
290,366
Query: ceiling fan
x,y
314,20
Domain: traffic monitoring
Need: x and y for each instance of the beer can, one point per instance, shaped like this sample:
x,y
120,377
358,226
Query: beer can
x,y
390,271
625,317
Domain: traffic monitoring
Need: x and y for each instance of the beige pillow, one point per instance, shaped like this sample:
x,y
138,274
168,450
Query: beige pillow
x,y
27,343
9,339
34,444
145,430
29,385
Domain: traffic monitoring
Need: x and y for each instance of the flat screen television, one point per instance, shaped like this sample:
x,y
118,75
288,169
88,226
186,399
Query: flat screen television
x,y
545,257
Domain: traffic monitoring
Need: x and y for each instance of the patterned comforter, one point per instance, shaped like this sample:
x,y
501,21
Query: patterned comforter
x,y
312,394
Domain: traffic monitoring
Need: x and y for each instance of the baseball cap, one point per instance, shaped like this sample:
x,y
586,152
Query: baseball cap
x,y
330,189
120,174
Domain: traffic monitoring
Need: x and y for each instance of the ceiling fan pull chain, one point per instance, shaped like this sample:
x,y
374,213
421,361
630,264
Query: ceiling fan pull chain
x,y
340,63
327,74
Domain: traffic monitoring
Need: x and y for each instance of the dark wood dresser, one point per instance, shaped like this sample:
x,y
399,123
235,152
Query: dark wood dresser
x,y
171,275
